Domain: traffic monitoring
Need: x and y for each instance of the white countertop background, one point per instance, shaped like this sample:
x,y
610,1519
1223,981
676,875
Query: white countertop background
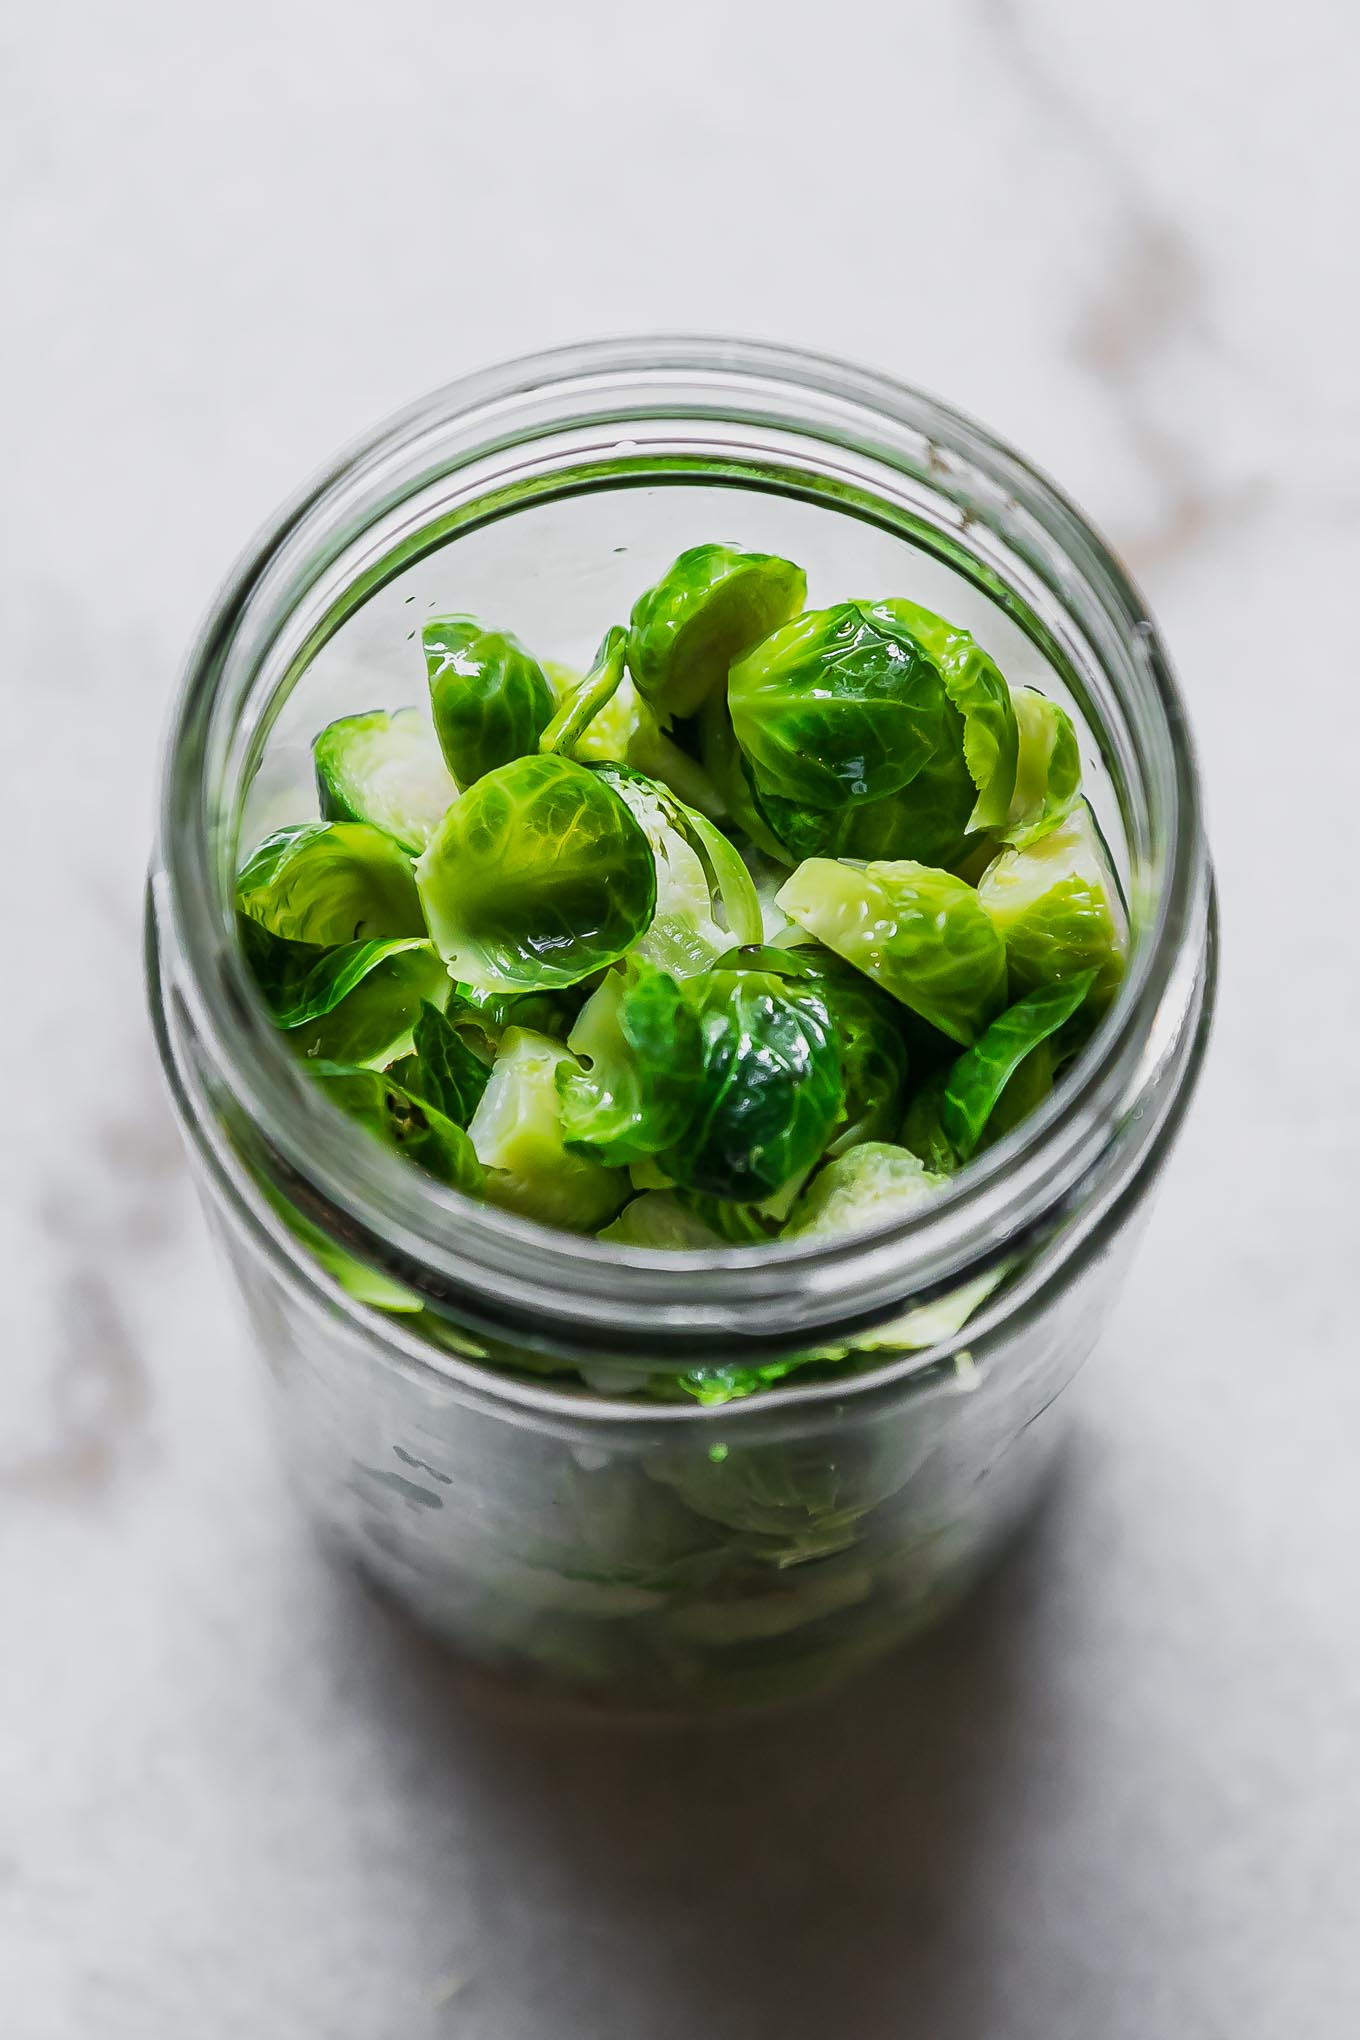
x,y
1119,1798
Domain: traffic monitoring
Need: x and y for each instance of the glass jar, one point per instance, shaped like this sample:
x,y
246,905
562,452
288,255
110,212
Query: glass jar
x,y
467,1407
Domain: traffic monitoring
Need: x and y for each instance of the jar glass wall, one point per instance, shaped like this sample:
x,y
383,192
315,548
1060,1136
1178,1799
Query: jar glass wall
x,y
490,1450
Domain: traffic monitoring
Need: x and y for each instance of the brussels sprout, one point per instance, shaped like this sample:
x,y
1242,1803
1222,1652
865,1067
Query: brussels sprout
x,y
386,770
861,1189
490,699
583,702
538,876
841,704
928,821
974,1086
697,870
980,695
445,1072
659,1219
1058,908
643,1057
373,1022
867,1027
408,1125
729,774
517,1133
920,934
483,1017
1048,776
329,883
771,1091
708,609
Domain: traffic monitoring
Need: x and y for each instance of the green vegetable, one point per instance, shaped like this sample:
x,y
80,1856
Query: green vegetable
x,y
490,699
373,1022
447,1073
410,1126
921,934
386,770
517,1132
1048,776
771,1089
980,695
300,981
975,1085
659,1219
928,821
841,704
923,1128
330,883
699,874
1057,906
583,703
708,609
538,876
870,1184
643,1061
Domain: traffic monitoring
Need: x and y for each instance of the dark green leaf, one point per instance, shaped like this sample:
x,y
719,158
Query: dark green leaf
x,y
409,1126
448,1074
643,1055
330,883
975,1085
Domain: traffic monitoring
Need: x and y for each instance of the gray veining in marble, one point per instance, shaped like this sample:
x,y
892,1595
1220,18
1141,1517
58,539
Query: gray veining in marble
x,y
1118,1795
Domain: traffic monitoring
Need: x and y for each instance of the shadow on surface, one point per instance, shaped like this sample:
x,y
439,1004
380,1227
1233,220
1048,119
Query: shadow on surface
x,y
831,1870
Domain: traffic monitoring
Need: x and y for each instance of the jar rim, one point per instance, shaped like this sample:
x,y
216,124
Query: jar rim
x,y
573,1287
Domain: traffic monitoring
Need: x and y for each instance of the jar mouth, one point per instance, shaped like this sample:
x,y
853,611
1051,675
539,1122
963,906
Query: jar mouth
x,y
605,414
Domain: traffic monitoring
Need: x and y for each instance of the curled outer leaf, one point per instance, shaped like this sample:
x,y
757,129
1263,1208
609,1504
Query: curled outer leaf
x,y
537,876
697,871
386,770
1048,775
356,1004
410,1126
299,981
490,699
330,883
1057,906
707,610
840,705
974,1087
978,692
920,934
583,702
643,1061
517,1132
771,1090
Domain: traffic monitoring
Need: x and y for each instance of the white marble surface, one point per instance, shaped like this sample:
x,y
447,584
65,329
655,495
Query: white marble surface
x,y
1119,1797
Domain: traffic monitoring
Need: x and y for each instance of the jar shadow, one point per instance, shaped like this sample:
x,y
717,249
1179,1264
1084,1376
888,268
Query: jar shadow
x,y
840,1867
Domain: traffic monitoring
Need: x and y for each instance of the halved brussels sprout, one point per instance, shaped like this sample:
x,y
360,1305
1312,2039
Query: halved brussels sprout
x,y
975,1085
643,1061
537,876
1058,908
1048,776
921,934
698,871
329,883
517,1133
659,1219
979,693
707,610
490,699
863,1188
384,769
771,1090
410,1126
841,704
